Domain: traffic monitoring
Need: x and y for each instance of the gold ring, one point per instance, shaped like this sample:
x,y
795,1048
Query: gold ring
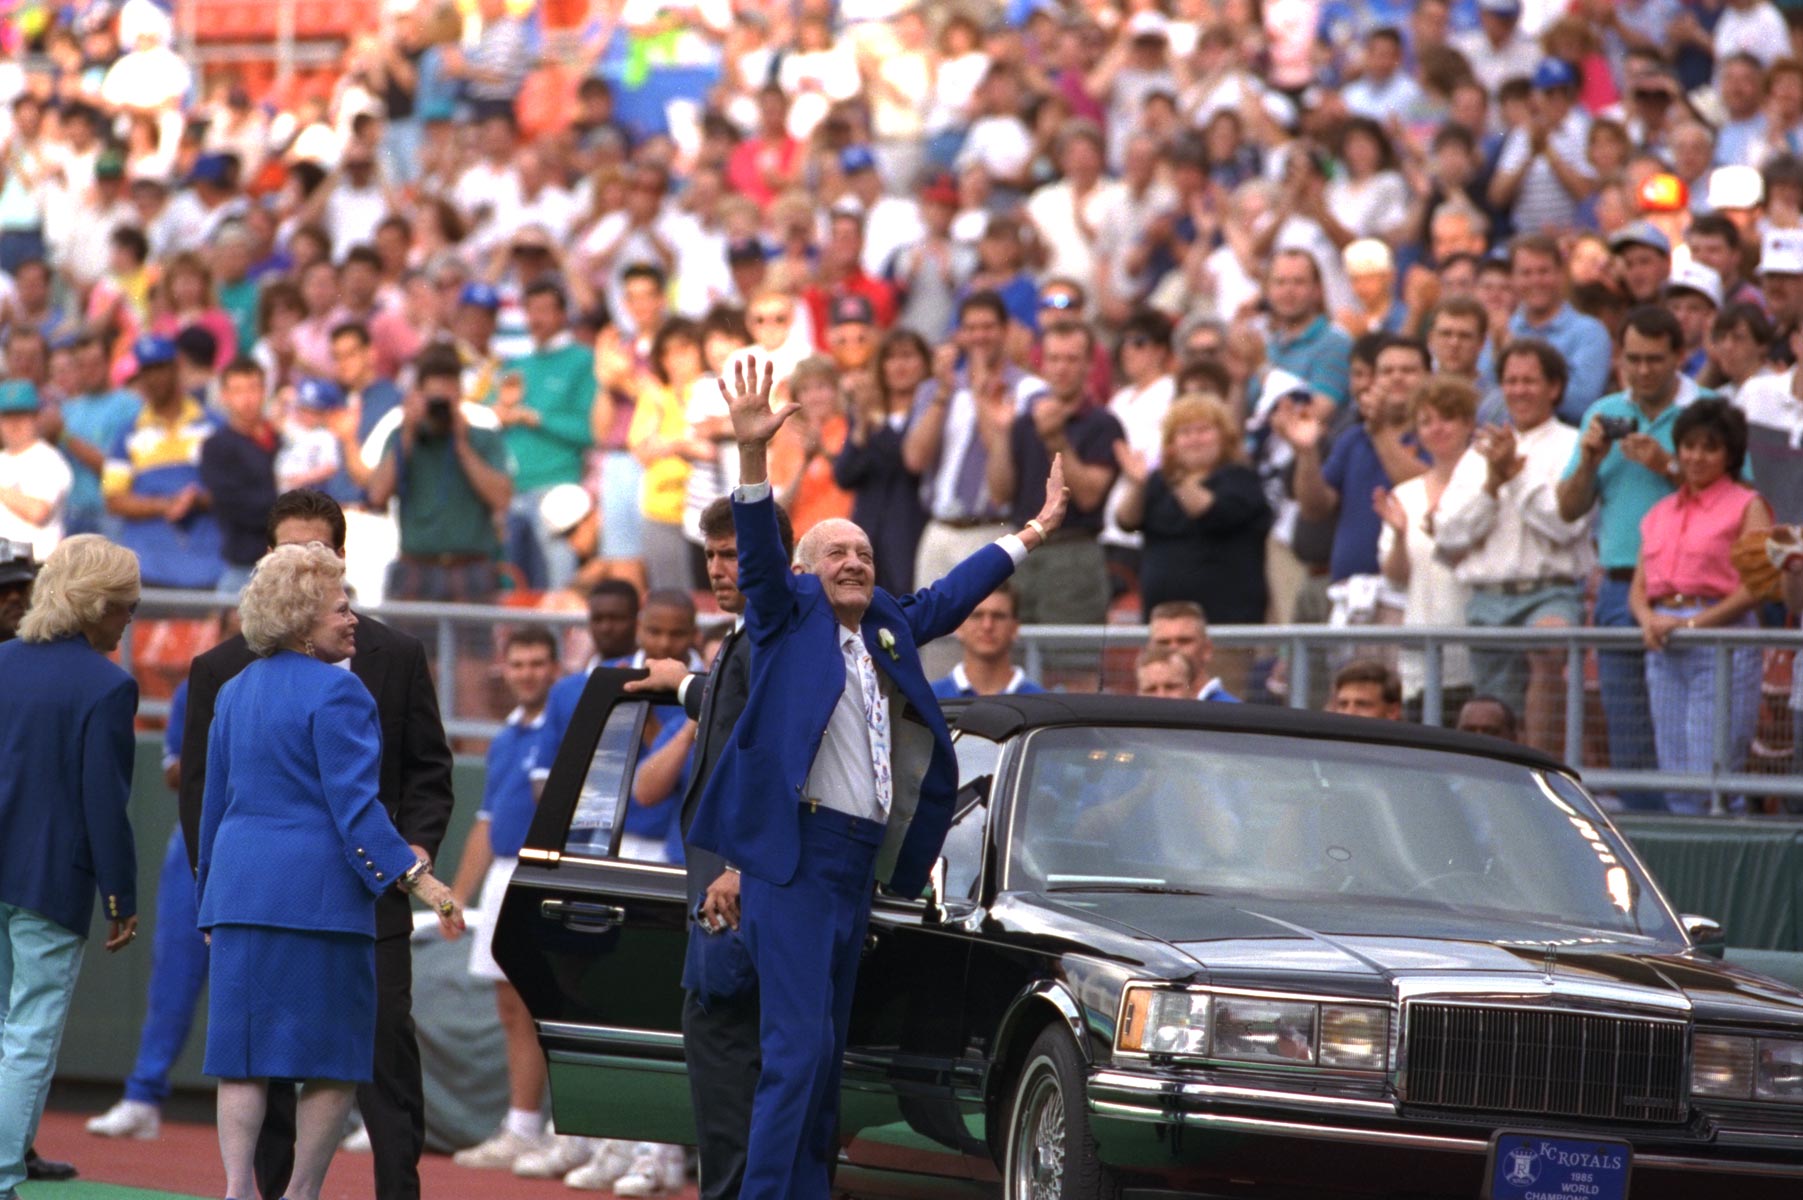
x,y
445,908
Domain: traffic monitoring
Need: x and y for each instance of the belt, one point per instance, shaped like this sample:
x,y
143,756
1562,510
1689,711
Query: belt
x,y
968,522
444,560
1619,574
861,828
1680,600
1524,587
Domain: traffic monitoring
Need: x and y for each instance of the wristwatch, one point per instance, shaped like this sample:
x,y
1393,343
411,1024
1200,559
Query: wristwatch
x,y
412,875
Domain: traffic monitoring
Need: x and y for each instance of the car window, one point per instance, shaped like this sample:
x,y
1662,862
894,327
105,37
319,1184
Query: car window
x,y
607,785
1309,819
963,851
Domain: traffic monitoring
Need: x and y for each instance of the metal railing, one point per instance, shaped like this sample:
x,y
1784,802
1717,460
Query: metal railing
x,y
1305,649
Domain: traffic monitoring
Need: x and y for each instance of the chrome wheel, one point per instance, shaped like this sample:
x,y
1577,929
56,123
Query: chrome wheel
x,y
1039,1139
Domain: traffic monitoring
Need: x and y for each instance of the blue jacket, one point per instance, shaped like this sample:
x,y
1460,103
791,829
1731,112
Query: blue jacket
x,y
750,812
66,754
291,832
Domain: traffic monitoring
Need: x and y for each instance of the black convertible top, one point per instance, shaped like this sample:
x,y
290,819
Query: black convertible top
x,y
998,717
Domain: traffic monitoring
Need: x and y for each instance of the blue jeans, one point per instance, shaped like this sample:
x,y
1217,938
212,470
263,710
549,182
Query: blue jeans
x,y
39,962
178,970
805,938
545,559
1681,688
1621,675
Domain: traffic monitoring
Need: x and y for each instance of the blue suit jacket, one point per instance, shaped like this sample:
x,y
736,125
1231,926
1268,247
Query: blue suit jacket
x,y
291,831
65,779
750,811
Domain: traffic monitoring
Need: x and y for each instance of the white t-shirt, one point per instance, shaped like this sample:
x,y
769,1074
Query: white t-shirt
x,y
1069,251
1000,145
891,223
305,452
1759,31
41,472
1435,595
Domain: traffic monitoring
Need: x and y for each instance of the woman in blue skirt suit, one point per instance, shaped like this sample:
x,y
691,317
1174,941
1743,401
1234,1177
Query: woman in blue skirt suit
x,y
294,849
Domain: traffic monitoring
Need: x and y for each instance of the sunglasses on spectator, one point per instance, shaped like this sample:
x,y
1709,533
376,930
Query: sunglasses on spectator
x,y
1058,301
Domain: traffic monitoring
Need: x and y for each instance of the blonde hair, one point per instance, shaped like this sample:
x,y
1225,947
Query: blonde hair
x,y
81,577
285,595
1194,407
1451,399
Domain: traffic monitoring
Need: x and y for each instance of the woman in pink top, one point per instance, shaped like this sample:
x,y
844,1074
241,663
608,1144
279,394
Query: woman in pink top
x,y
1686,580
184,298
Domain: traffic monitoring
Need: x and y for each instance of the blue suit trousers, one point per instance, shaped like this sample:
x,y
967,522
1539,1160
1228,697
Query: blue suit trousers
x,y
805,939
178,970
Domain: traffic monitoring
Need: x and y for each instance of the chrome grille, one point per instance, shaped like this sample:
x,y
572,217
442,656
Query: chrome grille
x,y
1557,1063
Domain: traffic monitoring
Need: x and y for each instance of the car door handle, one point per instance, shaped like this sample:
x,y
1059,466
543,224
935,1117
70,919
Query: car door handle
x,y
581,916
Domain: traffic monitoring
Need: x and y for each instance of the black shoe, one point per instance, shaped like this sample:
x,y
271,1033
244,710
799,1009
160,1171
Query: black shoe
x,y
46,1171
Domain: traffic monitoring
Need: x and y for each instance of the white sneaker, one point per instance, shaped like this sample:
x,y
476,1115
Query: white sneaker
x,y
556,1157
499,1152
607,1163
128,1119
655,1169
356,1141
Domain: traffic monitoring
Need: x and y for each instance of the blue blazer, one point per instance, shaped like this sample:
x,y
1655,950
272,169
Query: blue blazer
x,y
292,834
750,812
66,751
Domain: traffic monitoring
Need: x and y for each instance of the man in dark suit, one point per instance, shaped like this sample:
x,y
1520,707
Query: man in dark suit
x,y
720,1010
822,791
415,789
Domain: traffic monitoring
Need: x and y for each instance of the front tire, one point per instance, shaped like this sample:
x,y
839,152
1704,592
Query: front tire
x,y
1050,1154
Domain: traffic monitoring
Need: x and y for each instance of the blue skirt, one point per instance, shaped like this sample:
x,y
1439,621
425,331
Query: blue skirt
x,y
291,1004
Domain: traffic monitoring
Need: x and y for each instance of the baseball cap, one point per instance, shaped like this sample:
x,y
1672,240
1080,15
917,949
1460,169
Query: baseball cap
x,y
150,350
564,506
1735,186
1781,252
16,563
851,310
215,169
940,188
1639,233
1368,256
110,164
853,159
480,295
1693,276
1278,384
1554,73
1663,193
535,237
1148,24
319,395
18,396
744,250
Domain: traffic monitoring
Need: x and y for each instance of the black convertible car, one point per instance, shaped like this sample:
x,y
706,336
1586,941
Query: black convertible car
x,y
1210,950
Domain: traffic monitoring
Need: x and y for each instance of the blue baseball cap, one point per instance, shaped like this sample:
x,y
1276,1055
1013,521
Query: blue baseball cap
x,y
1640,233
853,159
215,169
18,396
1554,73
150,350
480,295
318,395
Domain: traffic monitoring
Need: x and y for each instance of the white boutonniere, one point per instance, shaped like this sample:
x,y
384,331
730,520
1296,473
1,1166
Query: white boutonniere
x,y
886,640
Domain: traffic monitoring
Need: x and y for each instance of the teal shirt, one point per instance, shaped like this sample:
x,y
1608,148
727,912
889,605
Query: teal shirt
x,y
560,388
1625,489
239,300
440,513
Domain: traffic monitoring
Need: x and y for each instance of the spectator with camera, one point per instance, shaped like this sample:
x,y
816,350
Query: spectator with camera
x,y
1624,464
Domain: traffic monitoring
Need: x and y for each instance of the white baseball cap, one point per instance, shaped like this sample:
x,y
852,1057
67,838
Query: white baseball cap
x,y
1781,252
1693,276
1368,256
1735,187
564,507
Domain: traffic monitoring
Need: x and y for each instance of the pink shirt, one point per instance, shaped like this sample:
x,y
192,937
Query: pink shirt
x,y
1686,537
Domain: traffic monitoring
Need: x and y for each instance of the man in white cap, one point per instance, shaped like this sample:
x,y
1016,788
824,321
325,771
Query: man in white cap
x,y
1693,293
1781,278
1643,260
1737,192
1371,269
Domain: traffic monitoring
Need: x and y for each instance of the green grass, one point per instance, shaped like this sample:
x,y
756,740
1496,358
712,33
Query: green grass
x,y
79,1189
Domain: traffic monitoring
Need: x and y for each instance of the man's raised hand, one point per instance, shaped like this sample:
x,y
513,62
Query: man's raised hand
x,y
1057,496
754,422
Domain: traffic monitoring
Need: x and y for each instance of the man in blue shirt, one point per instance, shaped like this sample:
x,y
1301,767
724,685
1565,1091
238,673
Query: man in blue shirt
x,y
1622,475
509,799
152,478
987,667
1181,626
1302,340
1537,272
86,426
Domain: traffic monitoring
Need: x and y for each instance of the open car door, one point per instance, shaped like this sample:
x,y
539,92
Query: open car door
x,y
594,942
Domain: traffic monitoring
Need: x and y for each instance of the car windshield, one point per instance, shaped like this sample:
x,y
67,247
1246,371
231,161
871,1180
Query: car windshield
x,y
1183,810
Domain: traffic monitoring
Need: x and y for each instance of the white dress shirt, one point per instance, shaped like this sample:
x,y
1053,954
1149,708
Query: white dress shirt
x,y
1516,535
843,776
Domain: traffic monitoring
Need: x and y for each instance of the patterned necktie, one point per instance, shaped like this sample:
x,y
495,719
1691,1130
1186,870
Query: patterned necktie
x,y
876,720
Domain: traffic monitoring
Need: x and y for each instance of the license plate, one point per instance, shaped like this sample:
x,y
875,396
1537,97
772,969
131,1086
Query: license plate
x,y
1536,1166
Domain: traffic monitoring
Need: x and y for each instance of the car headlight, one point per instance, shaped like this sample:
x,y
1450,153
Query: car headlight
x,y
1354,1037
1255,1030
1744,1068
1162,1021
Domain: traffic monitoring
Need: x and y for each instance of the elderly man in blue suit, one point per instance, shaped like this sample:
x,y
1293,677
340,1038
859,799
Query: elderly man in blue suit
x,y
824,790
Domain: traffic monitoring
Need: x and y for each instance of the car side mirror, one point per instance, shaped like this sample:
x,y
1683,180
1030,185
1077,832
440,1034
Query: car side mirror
x,y
935,896
1705,933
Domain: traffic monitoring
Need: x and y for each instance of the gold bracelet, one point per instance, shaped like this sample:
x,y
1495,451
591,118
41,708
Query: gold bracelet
x,y
1036,527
